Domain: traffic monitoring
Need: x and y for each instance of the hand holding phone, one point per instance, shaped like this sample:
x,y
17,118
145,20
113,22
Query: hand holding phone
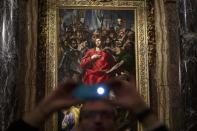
x,y
91,92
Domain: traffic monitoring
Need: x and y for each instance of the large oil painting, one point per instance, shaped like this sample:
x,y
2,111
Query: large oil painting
x,y
92,42
94,46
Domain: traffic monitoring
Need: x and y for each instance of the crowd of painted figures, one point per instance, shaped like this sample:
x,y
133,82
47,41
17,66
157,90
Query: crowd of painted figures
x,y
77,39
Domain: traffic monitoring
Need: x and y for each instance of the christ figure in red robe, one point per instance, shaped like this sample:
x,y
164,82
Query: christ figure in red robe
x,y
96,62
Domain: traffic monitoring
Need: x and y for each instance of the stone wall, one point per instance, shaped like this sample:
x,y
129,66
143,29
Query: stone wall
x,y
8,61
18,41
167,76
188,46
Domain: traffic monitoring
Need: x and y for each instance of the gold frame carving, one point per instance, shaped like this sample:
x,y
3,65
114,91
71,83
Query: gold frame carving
x,y
50,32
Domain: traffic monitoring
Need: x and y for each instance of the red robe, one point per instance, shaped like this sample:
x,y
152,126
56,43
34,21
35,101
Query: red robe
x,y
94,70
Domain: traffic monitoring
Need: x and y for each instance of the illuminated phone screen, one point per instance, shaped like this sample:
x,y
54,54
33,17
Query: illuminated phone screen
x,y
85,92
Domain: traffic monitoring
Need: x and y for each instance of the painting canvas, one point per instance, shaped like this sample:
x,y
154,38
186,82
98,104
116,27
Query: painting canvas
x,y
95,45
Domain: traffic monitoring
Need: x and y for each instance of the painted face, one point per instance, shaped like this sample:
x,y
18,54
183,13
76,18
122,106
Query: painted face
x,y
97,116
74,44
84,44
65,43
121,33
98,42
119,21
107,41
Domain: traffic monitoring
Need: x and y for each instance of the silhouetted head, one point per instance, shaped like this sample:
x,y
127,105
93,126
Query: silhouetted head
x,y
97,116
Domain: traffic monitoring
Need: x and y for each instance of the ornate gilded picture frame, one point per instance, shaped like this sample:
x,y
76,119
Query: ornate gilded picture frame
x,y
59,10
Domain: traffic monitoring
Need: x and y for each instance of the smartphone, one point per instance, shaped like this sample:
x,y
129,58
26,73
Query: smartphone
x,y
91,92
